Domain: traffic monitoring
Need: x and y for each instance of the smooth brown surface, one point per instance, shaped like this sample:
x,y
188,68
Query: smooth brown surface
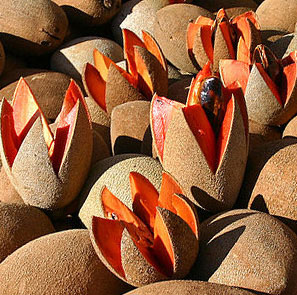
x,y
20,224
170,30
58,264
187,287
248,249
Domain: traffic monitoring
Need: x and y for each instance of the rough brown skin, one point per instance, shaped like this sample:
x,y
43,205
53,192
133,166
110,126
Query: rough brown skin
x,y
170,29
33,176
285,45
248,249
60,263
179,90
38,27
100,120
90,13
291,128
184,159
280,15
20,224
269,37
215,5
129,122
8,192
262,105
100,148
114,174
275,190
235,11
119,90
49,89
260,134
71,58
187,287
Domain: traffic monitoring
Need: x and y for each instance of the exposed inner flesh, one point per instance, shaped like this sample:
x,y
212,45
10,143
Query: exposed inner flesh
x,y
145,224
18,118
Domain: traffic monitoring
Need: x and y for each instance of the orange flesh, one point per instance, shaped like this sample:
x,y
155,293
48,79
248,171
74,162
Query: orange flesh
x,y
152,46
145,198
108,236
102,63
96,85
156,249
162,112
206,37
234,70
243,52
203,132
225,28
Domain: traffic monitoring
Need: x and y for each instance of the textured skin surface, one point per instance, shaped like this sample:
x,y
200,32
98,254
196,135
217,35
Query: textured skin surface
x,y
248,249
187,288
129,122
89,13
58,264
71,58
114,174
38,26
170,29
49,88
19,225
274,14
285,45
215,5
280,199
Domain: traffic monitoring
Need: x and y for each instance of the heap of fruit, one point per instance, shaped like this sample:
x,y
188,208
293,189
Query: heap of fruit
x,y
148,147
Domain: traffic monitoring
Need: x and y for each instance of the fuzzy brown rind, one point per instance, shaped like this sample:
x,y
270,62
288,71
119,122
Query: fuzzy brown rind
x,y
115,176
274,14
119,90
32,173
100,148
20,224
129,121
277,199
248,249
184,159
38,26
262,105
60,263
291,128
157,73
49,89
170,31
90,13
215,5
2,58
188,287
286,44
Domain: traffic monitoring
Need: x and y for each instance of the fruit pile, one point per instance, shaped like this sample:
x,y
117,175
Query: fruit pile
x,y
148,147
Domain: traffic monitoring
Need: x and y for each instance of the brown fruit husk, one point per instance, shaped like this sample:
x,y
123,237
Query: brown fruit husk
x,y
60,263
37,27
113,173
170,29
291,128
184,159
100,148
279,15
235,11
262,105
129,121
248,249
215,5
49,89
275,191
188,287
20,224
274,40
2,58
32,170
179,90
89,13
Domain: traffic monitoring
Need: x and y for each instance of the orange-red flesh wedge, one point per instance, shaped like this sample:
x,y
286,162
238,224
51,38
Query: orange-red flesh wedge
x,y
96,85
152,46
102,63
162,112
108,236
203,132
206,37
243,51
145,198
225,29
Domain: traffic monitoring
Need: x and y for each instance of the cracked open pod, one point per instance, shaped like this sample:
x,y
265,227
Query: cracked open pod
x,y
156,240
212,40
47,170
109,85
204,144
269,85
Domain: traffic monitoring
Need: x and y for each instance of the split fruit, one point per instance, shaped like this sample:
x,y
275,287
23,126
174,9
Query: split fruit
x,y
156,240
109,85
47,170
204,144
269,85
